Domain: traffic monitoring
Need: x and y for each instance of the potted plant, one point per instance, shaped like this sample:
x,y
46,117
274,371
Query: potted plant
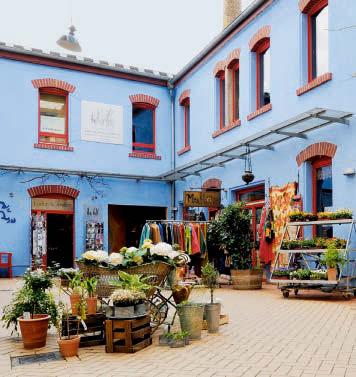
x,y
33,307
210,279
90,288
191,318
165,339
332,258
124,301
75,284
281,273
232,230
178,339
65,274
68,344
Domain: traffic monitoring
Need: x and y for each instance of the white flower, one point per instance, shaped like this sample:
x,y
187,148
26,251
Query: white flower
x,y
101,256
131,251
89,255
162,249
115,259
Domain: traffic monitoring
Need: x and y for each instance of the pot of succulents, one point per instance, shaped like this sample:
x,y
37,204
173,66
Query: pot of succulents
x,y
124,301
75,284
33,308
178,339
92,300
332,259
212,310
232,233
68,332
191,318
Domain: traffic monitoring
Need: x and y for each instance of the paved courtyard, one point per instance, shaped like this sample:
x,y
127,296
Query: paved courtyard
x,y
267,336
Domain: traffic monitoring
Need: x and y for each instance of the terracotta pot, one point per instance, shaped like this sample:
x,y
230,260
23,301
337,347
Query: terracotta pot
x,y
91,304
74,302
34,330
332,272
69,347
246,279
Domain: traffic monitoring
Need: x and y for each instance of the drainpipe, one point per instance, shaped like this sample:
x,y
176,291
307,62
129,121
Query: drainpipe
x,y
173,149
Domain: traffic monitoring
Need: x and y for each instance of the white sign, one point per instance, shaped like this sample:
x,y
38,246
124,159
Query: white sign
x,y
102,123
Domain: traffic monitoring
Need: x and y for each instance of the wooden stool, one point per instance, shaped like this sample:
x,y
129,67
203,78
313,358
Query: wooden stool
x,y
127,335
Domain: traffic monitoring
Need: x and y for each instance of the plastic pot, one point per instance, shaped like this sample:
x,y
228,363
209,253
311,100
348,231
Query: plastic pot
x,y
179,343
213,317
191,319
69,347
34,330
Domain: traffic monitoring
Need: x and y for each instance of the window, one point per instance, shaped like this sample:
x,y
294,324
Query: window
x,y
143,128
318,40
263,76
235,77
53,116
221,98
186,109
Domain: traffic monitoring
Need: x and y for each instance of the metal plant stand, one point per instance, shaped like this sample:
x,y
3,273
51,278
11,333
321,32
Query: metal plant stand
x,y
311,258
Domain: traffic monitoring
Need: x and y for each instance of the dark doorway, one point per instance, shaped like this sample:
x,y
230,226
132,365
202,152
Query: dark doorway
x,y
60,240
126,223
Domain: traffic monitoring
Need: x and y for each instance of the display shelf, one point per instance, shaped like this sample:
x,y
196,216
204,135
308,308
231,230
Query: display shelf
x,y
320,222
309,282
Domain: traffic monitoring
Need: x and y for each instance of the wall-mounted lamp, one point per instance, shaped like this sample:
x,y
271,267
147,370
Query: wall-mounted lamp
x,y
349,171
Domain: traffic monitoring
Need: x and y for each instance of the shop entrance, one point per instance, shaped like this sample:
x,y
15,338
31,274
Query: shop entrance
x,y
126,223
60,240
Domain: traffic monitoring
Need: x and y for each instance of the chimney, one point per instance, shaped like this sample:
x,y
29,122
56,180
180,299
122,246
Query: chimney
x,y
232,8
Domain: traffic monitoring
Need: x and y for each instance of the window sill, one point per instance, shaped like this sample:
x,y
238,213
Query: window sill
x,y
320,80
55,147
233,125
260,111
148,156
184,150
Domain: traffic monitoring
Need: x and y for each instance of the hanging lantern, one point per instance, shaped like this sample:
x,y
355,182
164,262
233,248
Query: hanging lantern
x,y
70,42
248,176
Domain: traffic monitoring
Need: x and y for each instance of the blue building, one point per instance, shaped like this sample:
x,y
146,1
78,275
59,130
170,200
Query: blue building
x,y
91,149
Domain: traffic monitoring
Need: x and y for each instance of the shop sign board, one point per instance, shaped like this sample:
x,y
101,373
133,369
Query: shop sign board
x,y
93,213
211,199
48,204
102,123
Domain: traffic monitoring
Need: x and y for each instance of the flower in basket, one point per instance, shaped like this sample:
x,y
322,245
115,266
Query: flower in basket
x,y
147,244
115,259
130,252
137,259
101,256
89,255
127,297
66,273
162,249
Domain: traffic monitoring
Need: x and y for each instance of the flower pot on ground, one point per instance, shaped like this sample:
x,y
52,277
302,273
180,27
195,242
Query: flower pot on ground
x,y
33,308
69,347
247,279
191,318
179,339
210,279
90,288
75,284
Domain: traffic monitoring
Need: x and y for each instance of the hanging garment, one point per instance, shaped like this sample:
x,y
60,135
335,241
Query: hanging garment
x,y
188,239
161,232
265,249
145,234
203,248
156,238
181,239
195,238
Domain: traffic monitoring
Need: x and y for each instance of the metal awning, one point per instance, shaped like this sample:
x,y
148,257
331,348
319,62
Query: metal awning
x,y
296,127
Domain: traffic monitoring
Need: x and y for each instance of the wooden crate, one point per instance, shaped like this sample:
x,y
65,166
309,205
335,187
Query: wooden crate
x,y
94,335
127,335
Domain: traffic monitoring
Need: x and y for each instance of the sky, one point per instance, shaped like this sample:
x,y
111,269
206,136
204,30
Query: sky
x,y
158,34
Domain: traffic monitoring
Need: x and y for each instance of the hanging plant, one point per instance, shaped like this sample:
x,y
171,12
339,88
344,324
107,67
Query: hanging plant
x,y
248,176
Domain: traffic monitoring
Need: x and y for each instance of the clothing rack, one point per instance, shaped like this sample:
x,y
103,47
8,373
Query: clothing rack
x,y
178,221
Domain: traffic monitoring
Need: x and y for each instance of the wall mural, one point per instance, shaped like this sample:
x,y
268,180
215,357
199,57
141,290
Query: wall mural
x,y
4,211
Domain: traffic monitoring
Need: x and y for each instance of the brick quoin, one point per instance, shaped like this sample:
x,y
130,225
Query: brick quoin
x,y
144,98
306,5
185,94
53,189
53,83
212,183
233,56
316,150
220,66
261,34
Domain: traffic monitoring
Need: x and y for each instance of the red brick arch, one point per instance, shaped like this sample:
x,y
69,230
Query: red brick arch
x,y
185,94
219,66
53,189
260,35
212,183
53,83
316,150
233,56
306,5
144,98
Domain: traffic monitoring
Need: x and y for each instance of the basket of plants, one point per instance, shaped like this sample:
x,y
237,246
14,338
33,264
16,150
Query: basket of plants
x,y
301,216
315,243
155,262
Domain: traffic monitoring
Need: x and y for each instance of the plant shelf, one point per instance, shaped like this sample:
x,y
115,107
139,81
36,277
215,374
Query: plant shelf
x,y
304,251
309,282
320,222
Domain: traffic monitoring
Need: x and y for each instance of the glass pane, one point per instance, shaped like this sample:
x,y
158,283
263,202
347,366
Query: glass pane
x,y
252,196
142,128
53,113
320,36
324,198
236,93
222,102
187,125
266,78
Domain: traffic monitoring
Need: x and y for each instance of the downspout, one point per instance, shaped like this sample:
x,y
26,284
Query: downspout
x,y
173,149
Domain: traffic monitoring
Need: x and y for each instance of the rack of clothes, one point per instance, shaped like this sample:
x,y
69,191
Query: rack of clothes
x,y
191,236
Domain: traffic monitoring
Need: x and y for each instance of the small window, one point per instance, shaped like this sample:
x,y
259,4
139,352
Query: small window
x,y
263,74
235,91
221,98
53,120
186,109
318,37
143,129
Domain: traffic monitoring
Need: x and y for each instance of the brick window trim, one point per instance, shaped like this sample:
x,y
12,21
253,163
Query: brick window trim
x,y
234,124
212,183
260,111
323,148
233,57
144,155
219,67
144,98
53,189
260,35
184,150
320,80
54,147
53,83
184,96
306,6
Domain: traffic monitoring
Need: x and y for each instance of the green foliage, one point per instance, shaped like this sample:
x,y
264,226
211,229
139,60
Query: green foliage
x,y
332,258
317,242
137,283
33,297
180,335
300,274
90,286
75,280
210,278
